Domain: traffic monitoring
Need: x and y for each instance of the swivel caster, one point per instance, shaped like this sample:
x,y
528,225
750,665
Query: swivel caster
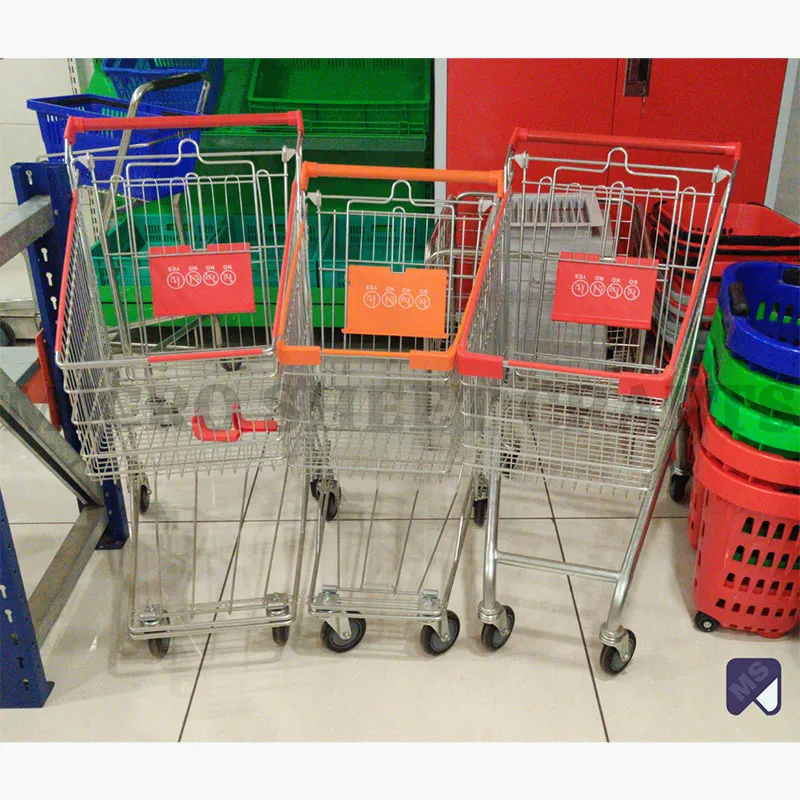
x,y
492,638
432,643
338,644
612,661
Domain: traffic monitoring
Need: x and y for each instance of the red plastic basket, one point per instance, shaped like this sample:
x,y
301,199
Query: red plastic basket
x,y
747,572
737,456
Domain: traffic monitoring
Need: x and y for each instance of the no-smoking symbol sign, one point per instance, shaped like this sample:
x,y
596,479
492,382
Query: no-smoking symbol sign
x,y
597,289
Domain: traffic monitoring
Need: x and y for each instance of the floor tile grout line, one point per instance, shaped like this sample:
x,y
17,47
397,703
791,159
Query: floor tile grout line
x,y
578,616
205,648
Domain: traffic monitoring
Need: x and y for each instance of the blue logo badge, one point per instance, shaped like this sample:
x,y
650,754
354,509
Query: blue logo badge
x,y
754,680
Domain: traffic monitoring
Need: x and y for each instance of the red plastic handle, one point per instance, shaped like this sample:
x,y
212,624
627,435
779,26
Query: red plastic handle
x,y
76,125
732,149
206,355
239,425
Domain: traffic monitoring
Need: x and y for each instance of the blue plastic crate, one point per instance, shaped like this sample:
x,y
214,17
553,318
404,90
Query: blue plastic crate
x,y
760,302
126,74
53,112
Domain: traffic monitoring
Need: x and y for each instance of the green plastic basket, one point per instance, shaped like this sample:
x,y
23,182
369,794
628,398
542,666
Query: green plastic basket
x,y
347,98
755,389
753,424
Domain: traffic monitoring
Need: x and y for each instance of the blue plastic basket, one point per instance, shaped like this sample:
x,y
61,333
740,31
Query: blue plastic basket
x,y
126,74
53,113
760,302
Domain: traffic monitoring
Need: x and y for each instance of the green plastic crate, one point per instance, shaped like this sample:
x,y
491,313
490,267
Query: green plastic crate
x,y
347,97
755,389
754,425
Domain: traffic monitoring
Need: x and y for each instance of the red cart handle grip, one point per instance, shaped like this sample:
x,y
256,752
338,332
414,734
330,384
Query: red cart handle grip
x,y
76,125
732,149
239,425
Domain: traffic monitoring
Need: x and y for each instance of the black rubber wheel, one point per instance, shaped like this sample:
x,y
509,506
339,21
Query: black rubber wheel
x,y
705,623
335,643
610,661
491,636
158,647
677,487
280,635
479,510
7,336
144,502
429,638
314,487
509,458
232,366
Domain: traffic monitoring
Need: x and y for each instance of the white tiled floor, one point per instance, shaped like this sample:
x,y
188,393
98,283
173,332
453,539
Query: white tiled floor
x,y
545,684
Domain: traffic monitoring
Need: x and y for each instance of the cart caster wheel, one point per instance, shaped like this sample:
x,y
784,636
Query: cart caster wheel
x,y
677,486
335,643
705,623
429,638
492,638
509,458
610,660
334,500
479,510
144,504
158,647
232,366
7,336
280,635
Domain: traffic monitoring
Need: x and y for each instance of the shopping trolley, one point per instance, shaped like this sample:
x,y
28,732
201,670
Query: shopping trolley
x,y
164,338
369,388
565,361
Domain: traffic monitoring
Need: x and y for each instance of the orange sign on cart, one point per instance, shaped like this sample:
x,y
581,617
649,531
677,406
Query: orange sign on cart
x,y
601,293
185,282
386,303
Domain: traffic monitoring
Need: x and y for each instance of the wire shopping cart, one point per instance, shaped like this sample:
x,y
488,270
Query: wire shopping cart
x,y
366,342
164,338
567,370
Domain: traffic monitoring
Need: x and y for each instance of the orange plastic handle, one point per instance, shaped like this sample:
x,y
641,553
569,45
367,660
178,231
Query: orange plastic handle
x,y
76,125
311,169
732,149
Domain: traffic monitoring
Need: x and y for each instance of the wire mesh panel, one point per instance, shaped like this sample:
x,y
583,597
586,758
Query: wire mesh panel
x,y
578,300
165,334
368,377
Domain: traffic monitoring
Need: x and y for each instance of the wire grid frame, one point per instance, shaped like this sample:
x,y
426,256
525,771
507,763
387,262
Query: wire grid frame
x,y
574,426
398,557
198,575
131,412
360,411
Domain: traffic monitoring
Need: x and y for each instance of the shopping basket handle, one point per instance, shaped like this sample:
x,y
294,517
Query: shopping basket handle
x,y
311,169
76,125
732,149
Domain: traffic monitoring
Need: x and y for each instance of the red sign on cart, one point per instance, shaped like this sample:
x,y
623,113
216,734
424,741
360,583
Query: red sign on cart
x,y
595,292
185,282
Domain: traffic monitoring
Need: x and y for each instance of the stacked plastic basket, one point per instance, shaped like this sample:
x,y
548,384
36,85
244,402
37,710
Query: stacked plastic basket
x,y
745,417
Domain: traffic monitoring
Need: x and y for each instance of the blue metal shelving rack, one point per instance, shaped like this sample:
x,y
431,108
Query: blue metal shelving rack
x,y
44,198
